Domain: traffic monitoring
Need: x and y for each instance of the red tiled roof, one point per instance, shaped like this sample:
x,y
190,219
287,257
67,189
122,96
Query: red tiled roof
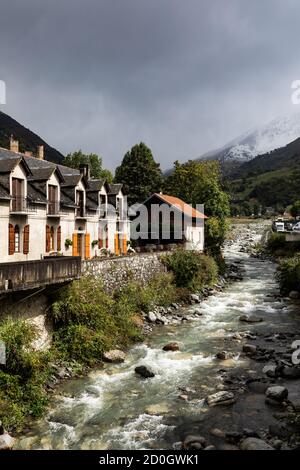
x,y
181,205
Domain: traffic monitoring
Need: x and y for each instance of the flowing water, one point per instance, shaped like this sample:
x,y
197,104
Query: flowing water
x,y
113,408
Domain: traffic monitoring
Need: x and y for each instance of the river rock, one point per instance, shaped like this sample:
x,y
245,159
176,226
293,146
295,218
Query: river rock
x,y
171,347
250,319
294,294
277,393
249,348
143,371
290,372
222,355
252,443
114,355
151,317
6,442
195,298
190,441
221,398
217,433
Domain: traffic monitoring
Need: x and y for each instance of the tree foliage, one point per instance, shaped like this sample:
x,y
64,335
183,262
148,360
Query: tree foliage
x,y
140,174
75,159
200,183
295,209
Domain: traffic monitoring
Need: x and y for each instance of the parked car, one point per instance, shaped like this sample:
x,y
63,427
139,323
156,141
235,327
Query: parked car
x,y
296,227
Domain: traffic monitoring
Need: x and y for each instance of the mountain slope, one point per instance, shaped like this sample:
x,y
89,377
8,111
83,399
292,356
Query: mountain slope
x,y
28,140
275,134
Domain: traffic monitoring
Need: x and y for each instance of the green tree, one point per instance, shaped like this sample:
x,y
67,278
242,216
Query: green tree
x,y
140,174
75,159
295,209
200,183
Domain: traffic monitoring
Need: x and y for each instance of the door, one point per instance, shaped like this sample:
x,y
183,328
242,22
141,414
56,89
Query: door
x,y
79,244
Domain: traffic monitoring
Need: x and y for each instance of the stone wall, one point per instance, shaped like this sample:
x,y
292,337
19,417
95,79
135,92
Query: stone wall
x,y
116,271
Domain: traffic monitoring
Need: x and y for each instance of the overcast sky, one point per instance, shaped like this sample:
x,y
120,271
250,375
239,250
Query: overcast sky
x,y
183,76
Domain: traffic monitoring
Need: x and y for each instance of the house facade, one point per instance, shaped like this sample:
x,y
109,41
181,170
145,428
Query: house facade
x,y
48,209
163,220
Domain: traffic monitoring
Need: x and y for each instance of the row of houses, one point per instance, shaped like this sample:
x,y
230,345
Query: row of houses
x,y
48,209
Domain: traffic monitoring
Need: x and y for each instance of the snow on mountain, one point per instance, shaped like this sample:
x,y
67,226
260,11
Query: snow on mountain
x,y
278,133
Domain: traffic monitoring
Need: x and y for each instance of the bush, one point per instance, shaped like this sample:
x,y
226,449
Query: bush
x,y
23,376
191,269
276,241
288,274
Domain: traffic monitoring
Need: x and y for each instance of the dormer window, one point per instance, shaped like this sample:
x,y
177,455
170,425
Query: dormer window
x,y
18,201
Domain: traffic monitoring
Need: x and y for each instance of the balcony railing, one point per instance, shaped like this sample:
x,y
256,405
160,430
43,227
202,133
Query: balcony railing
x,y
53,208
21,205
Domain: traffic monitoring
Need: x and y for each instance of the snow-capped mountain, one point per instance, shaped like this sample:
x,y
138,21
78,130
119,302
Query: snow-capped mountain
x,y
278,133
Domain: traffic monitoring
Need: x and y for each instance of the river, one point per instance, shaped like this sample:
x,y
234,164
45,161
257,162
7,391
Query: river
x,y
113,408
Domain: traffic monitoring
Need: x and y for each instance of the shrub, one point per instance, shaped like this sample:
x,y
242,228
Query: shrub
x,y
276,241
23,376
288,274
191,269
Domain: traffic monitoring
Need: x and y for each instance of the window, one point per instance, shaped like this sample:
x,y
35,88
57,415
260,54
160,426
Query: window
x,y
17,239
52,239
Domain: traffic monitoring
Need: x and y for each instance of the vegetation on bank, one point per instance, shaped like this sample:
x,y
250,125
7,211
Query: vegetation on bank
x,y
88,321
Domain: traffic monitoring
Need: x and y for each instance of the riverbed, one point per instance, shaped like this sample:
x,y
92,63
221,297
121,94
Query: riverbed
x,y
114,408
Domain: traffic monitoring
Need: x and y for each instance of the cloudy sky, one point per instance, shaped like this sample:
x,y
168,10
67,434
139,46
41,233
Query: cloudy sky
x,y
183,76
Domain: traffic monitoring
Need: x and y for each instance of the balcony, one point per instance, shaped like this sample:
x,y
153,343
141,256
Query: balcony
x,y
53,209
21,206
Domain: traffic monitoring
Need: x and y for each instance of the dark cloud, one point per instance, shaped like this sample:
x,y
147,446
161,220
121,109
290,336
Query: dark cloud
x,y
185,77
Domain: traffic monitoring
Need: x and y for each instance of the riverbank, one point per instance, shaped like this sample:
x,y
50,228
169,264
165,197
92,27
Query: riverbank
x,y
114,408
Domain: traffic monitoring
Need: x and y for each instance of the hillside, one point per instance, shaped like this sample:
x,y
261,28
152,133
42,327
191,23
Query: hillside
x,y
28,140
272,179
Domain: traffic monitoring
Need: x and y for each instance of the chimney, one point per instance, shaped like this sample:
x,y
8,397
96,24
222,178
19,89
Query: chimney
x,y
28,154
84,169
13,144
40,152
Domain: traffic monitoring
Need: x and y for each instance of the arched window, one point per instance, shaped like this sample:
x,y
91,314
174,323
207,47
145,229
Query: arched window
x,y
17,239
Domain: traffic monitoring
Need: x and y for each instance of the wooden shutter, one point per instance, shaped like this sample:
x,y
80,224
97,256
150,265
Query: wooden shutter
x,y
87,246
100,243
75,244
116,244
124,245
26,240
58,244
48,239
11,239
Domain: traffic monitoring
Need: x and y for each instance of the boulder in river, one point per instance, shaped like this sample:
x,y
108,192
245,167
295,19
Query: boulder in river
x,y
171,347
190,442
252,443
195,298
249,349
143,371
222,355
221,398
277,393
294,294
151,317
290,372
250,319
114,355
6,441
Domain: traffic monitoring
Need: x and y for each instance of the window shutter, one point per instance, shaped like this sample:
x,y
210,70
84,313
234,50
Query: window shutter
x,y
116,244
58,244
11,239
26,240
100,243
74,244
48,239
124,245
87,246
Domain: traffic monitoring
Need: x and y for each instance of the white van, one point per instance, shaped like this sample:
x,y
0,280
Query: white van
x,y
296,227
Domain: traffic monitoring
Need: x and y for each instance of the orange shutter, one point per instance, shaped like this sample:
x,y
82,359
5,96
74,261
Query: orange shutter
x,y
87,246
116,244
11,239
124,245
48,239
75,244
58,248
26,240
